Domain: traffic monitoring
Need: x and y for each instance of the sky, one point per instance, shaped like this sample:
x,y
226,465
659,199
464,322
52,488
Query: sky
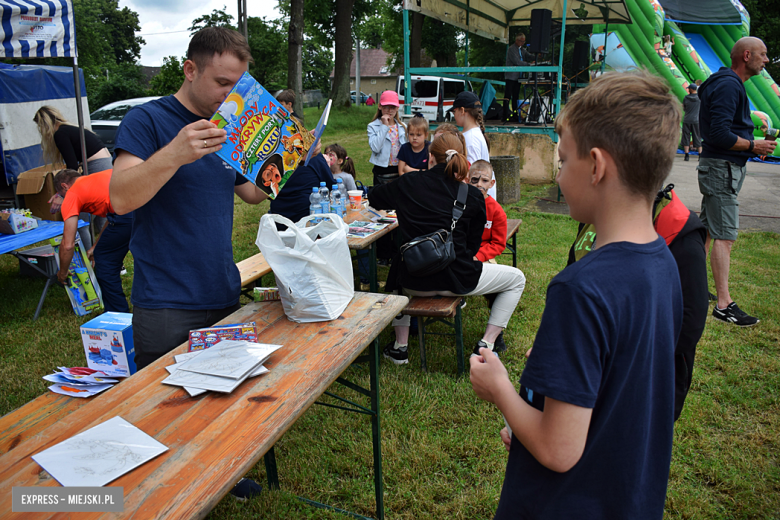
x,y
174,17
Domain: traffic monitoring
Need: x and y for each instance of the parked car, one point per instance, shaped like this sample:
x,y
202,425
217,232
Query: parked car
x,y
431,95
105,120
363,97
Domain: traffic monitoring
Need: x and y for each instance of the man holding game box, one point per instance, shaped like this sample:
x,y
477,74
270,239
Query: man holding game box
x,y
182,193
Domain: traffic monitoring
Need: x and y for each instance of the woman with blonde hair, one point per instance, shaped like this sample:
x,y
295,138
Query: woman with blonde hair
x,y
423,201
61,142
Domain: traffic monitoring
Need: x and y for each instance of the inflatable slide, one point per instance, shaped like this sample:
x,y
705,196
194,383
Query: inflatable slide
x,y
684,42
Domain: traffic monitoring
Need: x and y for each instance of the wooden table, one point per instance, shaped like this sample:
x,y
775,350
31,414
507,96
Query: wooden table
x,y
368,242
213,439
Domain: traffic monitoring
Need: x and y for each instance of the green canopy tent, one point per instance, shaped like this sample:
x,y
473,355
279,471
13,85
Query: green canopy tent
x,y
493,18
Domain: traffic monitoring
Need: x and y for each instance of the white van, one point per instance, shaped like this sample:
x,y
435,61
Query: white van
x,y
431,95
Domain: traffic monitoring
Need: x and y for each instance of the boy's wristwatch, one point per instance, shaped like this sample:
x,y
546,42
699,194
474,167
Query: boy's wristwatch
x,y
752,144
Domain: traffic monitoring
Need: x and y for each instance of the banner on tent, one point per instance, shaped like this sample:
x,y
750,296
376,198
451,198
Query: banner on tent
x,y
37,29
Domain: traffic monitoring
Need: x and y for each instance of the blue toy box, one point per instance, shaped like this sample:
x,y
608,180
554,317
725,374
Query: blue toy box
x,y
108,343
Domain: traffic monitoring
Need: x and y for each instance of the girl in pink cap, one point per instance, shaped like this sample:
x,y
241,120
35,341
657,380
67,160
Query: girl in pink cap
x,y
386,135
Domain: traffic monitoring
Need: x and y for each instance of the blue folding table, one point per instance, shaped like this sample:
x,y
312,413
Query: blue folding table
x,y
11,244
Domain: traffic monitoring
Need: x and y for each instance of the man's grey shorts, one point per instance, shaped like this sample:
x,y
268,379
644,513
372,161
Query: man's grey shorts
x,y
719,184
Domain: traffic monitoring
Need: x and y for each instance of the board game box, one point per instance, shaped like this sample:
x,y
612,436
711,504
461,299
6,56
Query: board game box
x,y
265,143
201,339
81,284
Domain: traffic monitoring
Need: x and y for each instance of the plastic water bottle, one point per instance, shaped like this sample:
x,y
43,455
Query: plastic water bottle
x,y
335,201
344,196
324,198
315,204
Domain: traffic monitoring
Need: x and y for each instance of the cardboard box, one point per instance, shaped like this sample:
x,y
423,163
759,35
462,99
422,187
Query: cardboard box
x,y
42,257
108,343
201,339
37,186
13,224
266,294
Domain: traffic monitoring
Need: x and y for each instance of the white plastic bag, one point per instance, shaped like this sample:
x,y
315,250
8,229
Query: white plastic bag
x,y
314,276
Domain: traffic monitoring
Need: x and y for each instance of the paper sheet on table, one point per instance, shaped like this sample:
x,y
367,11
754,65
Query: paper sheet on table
x,y
78,391
99,455
231,361
193,381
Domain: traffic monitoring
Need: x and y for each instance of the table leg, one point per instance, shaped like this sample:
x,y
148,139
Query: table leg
x,y
43,297
514,250
270,469
372,270
376,435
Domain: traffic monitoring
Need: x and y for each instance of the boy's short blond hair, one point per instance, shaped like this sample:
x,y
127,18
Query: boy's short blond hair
x,y
481,166
635,118
420,123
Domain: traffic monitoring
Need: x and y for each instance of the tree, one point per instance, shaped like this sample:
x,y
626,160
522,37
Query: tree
x,y
441,41
317,64
217,18
295,53
339,91
268,44
169,79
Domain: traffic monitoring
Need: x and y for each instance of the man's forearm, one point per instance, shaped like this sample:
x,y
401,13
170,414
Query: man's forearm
x,y
66,256
132,187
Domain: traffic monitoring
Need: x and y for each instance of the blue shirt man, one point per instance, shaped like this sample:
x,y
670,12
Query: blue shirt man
x,y
185,277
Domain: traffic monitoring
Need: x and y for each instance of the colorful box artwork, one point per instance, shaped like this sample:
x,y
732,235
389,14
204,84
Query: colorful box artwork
x,y
265,142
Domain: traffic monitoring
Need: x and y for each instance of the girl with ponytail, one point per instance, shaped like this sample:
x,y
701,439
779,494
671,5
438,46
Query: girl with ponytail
x,y
423,201
467,111
341,165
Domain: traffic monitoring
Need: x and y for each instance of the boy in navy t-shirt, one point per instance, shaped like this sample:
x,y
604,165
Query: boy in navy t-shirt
x,y
414,155
599,445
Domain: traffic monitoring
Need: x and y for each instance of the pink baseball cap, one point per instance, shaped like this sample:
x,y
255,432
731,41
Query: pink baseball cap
x,y
389,97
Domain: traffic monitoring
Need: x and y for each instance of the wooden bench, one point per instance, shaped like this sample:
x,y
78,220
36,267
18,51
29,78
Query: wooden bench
x,y
441,309
251,270
512,225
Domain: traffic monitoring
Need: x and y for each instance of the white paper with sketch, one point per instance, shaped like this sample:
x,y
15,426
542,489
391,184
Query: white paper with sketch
x,y
231,361
99,455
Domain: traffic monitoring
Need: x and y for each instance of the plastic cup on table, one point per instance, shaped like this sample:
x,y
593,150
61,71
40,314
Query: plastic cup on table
x,y
355,199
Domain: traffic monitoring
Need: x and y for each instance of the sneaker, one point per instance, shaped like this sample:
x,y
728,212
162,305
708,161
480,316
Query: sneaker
x,y
383,261
499,345
399,356
122,271
245,489
712,297
463,303
686,157
735,315
481,344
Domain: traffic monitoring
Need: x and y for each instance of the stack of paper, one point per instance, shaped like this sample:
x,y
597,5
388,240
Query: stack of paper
x,y
220,368
79,382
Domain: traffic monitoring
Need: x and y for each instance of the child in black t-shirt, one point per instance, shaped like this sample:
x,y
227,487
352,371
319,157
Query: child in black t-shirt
x,y
603,357
413,155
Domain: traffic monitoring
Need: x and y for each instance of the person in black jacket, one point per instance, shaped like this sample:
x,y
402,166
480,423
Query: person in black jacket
x,y
293,200
684,234
424,202
728,143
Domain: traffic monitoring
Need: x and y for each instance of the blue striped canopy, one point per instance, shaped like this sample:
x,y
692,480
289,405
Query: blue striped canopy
x,y
37,29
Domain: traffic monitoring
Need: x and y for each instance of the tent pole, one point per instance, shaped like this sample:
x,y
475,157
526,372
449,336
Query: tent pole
x,y
560,62
407,75
80,113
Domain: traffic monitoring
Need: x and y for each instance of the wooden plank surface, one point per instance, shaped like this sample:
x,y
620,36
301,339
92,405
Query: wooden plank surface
x,y
433,306
253,268
512,225
213,439
365,215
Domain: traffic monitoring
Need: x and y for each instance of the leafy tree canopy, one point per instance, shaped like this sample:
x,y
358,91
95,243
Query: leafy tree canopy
x,y
169,79
217,18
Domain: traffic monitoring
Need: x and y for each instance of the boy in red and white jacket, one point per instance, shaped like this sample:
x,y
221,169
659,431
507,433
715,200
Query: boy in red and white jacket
x,y
494,236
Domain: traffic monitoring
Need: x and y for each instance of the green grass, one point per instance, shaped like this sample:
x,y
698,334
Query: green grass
x,y
442,454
